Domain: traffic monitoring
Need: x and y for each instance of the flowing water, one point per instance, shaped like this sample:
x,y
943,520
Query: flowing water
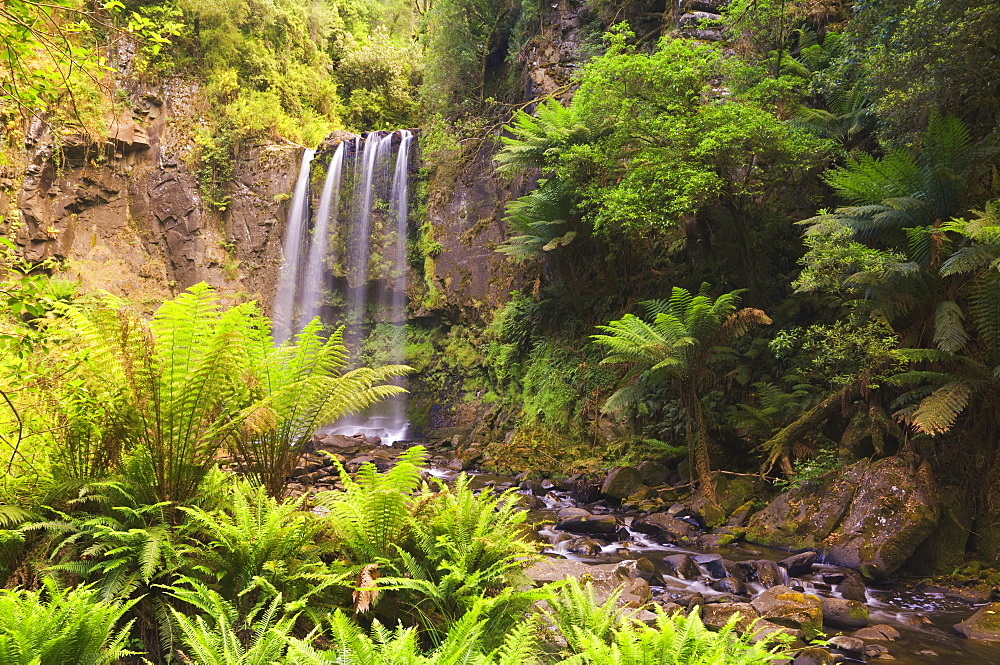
x,y
347,262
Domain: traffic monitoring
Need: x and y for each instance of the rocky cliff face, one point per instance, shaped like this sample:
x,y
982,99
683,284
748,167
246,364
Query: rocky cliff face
x,y
127,215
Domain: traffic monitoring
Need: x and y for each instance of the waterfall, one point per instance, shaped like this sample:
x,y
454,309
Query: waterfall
x,y
362,214
326,216
291,249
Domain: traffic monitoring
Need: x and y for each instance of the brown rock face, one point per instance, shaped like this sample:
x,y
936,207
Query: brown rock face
x,y
127,215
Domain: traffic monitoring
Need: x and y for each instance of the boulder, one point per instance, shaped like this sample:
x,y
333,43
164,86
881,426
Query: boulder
x,y
621,482
882,632
718,615
664,528
802,517
641,568
892,512
844,614
765,571
785,607
849,583
682,566
653,473
721,568
814,656
849,645
566,513
584,545
730,585
799,564
983,625
589,524
867,516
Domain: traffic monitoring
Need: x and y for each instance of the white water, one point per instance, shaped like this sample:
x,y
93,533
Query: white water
x,y
326,223
379,181
295,231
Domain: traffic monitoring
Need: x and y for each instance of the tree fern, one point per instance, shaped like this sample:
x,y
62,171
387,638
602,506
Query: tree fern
x,y
688,334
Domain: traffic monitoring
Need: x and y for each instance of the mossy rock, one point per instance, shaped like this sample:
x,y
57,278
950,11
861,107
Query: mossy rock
x,y
786,607
983,625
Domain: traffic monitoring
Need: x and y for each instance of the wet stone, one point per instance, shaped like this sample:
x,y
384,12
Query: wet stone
x,y
799,564
730,585
589,524
845,614
664,528
718,615
847,644
682,566
983,625
621,482
882,632
765,571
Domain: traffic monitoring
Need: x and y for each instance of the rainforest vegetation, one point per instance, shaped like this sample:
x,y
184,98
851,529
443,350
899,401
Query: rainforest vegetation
x,y
758,241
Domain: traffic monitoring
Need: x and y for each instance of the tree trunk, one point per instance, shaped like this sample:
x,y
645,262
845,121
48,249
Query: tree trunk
x,y
781,443
699,440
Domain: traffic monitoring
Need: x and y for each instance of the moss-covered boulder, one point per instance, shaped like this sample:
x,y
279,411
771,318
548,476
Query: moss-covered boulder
x,y
983,625
892,512
868,516
621,482
801,518
786,607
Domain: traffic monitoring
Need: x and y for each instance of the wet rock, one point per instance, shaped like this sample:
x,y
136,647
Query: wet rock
x,y
883,632
635,593
588,524
764,629
653,473
765,571
814,656
785,607
844,614
916,620
682,566
730,585
876,651
458,464
530,502
983,625
799,564
641,568
690,600
566,513
670,608
532,486
645,616
849,645
621,482
740,516
721,568
718,615
664,528
584,545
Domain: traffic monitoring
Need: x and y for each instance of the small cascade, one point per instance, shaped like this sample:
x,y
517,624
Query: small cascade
x,y
349,265
295,236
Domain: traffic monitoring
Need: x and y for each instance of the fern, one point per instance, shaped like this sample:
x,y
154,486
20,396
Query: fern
x,y
371,516
57,627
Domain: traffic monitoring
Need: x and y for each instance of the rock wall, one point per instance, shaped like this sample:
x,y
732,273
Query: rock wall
x,y
127,215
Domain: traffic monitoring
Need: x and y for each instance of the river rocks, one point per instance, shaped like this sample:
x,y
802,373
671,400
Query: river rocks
x,y
844,614
814,656
682,566
589,524
983,625
849,645
799,564
765,571
868,516
566,513
665,528
882,632
718,615
785,607
721,568
641,568
621,482
584,545
730,585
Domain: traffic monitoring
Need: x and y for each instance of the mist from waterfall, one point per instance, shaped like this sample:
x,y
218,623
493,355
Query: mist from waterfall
x,y
329,268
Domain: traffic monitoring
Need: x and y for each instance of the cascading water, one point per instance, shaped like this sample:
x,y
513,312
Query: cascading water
x,y
295,231
369,190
